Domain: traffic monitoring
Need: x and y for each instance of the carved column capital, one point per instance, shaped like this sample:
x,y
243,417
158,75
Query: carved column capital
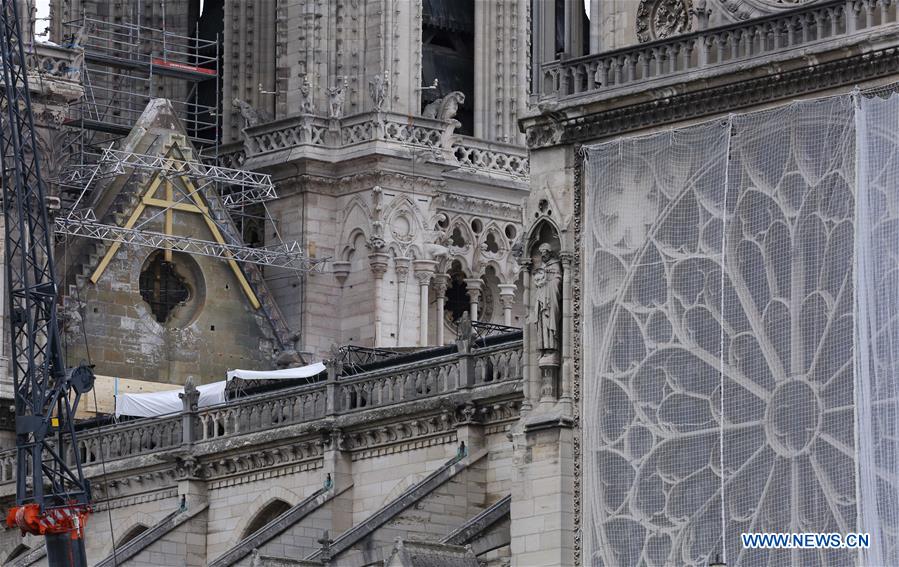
x,y
507,294
440,282
424,270
401,265
473,287
378,263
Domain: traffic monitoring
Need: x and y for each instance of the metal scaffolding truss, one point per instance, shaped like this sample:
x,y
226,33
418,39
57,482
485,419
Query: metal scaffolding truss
x,y
255,187
288,255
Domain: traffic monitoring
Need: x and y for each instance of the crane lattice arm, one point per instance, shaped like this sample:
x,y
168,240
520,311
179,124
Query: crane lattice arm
x,y
52,495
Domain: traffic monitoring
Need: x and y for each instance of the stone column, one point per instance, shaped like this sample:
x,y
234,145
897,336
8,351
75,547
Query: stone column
x,y
527,347
424,271
474,286
573,27
378,263
595,26
401,266
507,297
565,386
440,283
543,47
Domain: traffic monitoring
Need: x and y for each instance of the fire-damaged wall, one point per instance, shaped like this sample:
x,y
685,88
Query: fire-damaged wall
x,y
159,315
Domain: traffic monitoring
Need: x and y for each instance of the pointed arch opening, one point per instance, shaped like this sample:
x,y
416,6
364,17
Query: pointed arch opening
x,y
268,513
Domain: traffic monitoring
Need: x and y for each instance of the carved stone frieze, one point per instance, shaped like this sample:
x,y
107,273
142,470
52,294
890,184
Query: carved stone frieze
x,y
482,207
259,459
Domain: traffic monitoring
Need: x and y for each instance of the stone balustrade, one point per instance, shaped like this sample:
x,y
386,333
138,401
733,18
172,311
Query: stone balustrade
x,y
260,413
492,157
426,134
739,46
478,367
128,439
54,61
54,75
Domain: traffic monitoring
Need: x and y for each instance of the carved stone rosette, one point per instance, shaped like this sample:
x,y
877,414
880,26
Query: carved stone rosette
x,y
658,19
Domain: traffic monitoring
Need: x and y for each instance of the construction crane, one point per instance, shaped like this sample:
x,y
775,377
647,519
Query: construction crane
x,y
52,496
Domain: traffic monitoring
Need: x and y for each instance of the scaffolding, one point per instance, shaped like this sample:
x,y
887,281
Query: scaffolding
x,y
123,64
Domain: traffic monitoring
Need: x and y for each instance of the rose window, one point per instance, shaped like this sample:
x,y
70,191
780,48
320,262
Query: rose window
x,y
719,336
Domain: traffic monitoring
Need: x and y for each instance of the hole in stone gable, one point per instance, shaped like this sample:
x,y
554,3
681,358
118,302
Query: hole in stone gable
x,y
511,231
175,290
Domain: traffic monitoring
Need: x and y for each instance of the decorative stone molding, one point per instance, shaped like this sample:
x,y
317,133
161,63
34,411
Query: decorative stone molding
x,y
577,356
809,78
660,19
453,202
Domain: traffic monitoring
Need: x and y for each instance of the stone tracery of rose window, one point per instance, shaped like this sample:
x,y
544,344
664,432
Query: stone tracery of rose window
x,y
710,335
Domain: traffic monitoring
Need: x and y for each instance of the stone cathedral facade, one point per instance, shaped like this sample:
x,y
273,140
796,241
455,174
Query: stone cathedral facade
x,y
598,281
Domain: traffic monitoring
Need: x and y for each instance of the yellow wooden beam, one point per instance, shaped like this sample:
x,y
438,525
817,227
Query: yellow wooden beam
x,y
135,214
169,219
148,199
238,273
175,205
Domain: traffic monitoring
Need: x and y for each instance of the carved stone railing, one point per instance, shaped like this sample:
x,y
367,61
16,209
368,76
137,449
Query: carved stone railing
x,y
7,466
738,45
261,413
497,364
418,381
231,155
54,61
395,385
478,155
417,132
112,442
429,378
54,72
128,439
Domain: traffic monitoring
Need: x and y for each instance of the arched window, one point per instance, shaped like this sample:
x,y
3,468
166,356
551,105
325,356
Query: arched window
x,y
268,513
130,535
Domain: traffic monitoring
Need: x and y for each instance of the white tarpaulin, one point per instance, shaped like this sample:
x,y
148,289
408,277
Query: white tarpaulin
x,y
307,371
161,403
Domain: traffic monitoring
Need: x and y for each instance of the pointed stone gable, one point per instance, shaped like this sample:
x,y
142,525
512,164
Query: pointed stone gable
x,y
162,314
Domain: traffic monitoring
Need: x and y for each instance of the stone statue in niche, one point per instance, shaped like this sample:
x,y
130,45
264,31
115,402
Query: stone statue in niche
x,y
547,314
336,98
378,88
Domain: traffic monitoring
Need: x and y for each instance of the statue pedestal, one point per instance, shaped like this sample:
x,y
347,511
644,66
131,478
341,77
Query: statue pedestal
x,y
549,377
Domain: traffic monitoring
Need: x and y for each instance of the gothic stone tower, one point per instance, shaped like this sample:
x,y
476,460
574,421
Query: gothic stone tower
x,y
391,130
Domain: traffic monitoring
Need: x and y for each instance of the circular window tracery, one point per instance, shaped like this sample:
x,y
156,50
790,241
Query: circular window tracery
x,y
175,290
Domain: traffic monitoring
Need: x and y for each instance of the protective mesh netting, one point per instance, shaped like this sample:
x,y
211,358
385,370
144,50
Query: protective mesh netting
x,y
741,337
